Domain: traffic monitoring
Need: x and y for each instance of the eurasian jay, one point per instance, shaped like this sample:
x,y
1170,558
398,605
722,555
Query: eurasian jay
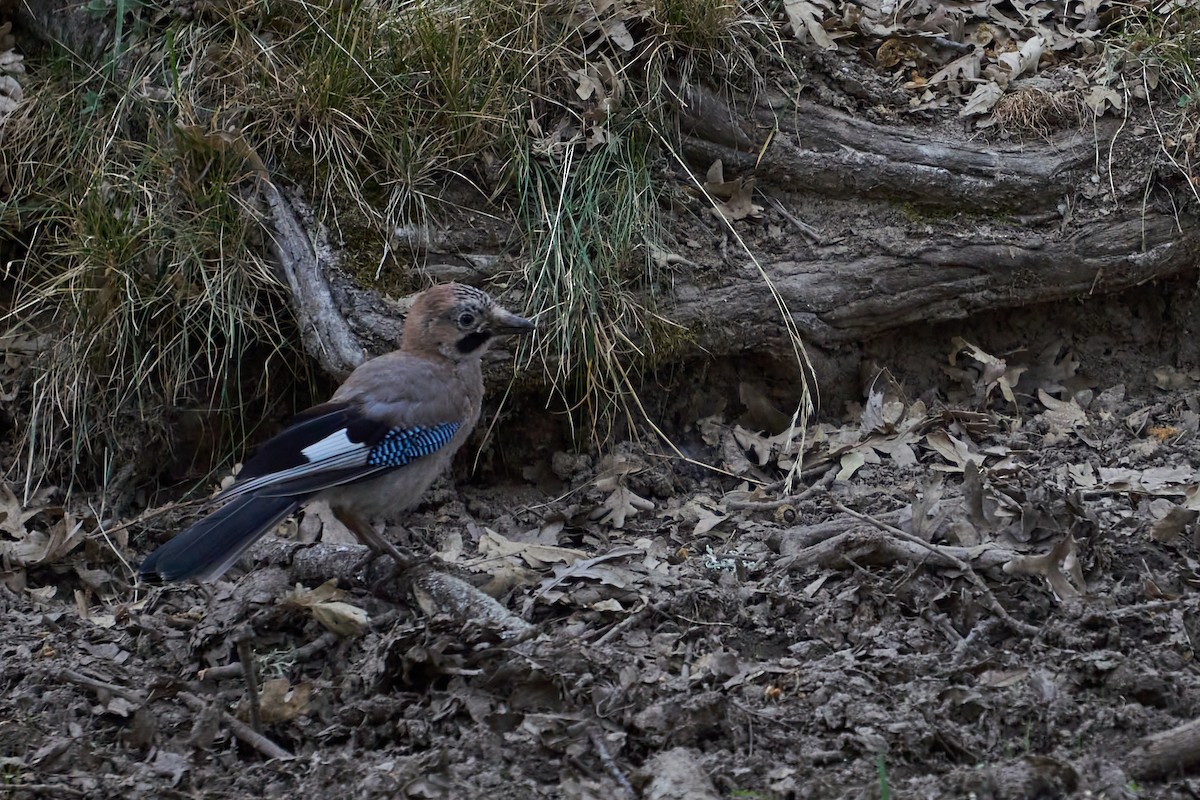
x,y
371,451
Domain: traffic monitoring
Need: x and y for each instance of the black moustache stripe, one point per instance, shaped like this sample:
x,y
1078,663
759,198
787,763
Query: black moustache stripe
x,y
473,341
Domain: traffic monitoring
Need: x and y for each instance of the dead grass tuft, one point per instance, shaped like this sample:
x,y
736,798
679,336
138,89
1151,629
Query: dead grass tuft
x,y
1038,112
142,243
1162,45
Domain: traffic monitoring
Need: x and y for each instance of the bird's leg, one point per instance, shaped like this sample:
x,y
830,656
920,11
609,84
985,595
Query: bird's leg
x,y
365,533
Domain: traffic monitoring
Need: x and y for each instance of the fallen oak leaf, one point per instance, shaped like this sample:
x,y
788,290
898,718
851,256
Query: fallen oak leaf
x,y
341,618
952,449
1051,566
328,609
1062,415
588,568
279,701
493,545
1173,524
982,99
622,504
806,18
37,548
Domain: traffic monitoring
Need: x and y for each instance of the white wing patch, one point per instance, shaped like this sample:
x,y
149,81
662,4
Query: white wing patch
x,y
334,452
335,444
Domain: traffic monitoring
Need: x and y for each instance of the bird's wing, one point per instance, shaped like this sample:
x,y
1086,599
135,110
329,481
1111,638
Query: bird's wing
x,y
209,547
334,444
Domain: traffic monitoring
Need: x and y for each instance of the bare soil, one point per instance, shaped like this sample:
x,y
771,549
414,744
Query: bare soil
x,y
788,649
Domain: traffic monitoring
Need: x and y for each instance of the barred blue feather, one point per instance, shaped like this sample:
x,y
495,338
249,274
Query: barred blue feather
x,y
401,445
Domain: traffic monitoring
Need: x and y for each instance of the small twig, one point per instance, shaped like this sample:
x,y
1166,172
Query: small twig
x,y
610,765
151,513
469,673
71,676
965,567
822,484
759,505
1143,608
764,716
51,789
630,621
246,656
240,729
300,655
812,233
231,670
769,505
950,44
965,645
307,652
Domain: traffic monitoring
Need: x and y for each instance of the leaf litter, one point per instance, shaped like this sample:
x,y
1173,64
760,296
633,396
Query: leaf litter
x,y
1002,568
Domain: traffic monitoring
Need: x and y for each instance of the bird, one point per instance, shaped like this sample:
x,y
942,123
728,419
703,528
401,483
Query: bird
x,y
371,451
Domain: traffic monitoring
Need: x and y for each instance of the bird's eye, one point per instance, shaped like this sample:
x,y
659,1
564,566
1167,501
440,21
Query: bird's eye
x,y
466,319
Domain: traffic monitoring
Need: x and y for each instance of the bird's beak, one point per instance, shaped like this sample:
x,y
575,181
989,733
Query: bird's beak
x,y
505,322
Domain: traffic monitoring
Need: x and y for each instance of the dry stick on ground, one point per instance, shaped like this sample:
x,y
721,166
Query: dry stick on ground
x,y
611,766
768,505
436,591
629,622
861,543
300,655
942,553
99,686
1168,752
800,537
239,729
246,656
51,789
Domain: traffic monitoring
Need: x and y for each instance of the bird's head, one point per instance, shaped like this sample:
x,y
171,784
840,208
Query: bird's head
x,y
458,322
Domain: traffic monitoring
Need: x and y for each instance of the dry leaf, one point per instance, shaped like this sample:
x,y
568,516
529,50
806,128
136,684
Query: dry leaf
x,y
618,34
1174,524
342,618
982,99
1055,567
619,506
996,371
279,701
1002,678
885,404
493,545
1155,480
327,608
37,548
597,569
850,463
959,73
806,18
1101,98
1062,415
954,450
1024,60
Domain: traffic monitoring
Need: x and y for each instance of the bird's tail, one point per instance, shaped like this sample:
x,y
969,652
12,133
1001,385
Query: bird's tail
x,y
209,547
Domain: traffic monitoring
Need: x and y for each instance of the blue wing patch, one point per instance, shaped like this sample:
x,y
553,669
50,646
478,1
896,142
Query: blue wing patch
x,y
402,445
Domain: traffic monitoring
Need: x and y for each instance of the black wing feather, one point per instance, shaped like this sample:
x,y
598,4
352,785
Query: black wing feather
x,y
285,449
344,446
210,546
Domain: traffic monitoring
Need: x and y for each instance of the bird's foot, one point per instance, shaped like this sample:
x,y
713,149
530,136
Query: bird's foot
x,y
377,544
